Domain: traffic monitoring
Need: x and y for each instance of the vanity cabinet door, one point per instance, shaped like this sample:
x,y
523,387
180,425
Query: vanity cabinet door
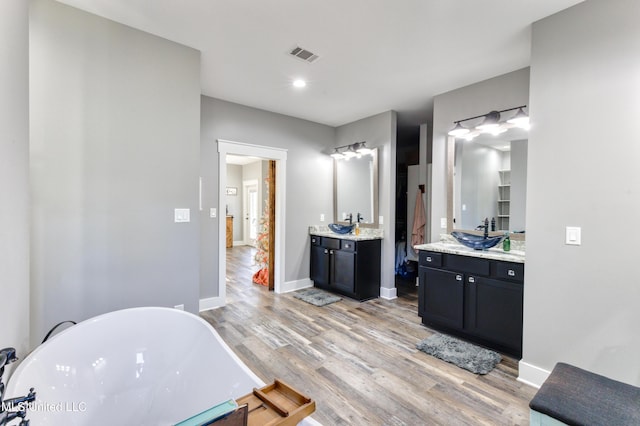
x,y
443,297
422,278
494,311
320,266
343,270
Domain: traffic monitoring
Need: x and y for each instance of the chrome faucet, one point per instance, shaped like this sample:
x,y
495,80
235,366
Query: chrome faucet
x,y
7,356
350,217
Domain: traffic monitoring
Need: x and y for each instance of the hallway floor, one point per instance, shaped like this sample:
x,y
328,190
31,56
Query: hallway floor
x,y
358,360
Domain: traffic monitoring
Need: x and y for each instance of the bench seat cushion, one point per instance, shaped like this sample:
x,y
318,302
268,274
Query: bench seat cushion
x,y
579,397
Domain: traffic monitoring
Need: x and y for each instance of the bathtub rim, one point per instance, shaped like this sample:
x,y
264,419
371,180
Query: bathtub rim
x,y
307,421
102,317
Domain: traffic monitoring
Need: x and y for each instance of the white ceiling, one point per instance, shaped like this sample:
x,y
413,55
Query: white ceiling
x,y
375,55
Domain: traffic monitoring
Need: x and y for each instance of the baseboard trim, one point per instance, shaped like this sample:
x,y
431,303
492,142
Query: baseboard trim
x,y
239,243
388,293
289,286
532,375
211,303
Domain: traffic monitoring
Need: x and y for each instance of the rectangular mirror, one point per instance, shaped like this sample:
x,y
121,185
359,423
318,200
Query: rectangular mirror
x,y
355,189
488,180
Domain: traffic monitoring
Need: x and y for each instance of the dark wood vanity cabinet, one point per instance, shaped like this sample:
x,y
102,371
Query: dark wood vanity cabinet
x,y
348,267
475,298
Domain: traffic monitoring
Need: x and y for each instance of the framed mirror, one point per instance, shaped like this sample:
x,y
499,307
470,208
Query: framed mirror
x,y
355,189
487,179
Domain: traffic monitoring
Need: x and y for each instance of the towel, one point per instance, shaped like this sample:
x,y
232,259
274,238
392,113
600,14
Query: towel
x,y
419,221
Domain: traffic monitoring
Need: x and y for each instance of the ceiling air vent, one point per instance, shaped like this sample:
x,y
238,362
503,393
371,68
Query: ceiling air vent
x,y
304,54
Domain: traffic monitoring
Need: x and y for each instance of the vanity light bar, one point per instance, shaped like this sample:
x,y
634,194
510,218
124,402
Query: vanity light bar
x,y
491,123
356,149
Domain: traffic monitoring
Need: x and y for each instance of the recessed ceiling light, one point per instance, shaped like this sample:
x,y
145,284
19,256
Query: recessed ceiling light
x,y
299,83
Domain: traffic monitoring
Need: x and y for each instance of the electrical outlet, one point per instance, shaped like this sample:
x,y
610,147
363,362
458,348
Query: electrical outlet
x,y
380,220
322,217
180,307
443,222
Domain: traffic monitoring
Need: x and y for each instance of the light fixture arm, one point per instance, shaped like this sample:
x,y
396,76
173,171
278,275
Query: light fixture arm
x,y
352,149
484,115
490,124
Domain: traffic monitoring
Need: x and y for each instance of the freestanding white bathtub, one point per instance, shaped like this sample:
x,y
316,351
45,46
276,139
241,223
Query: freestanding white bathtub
x,y
140,366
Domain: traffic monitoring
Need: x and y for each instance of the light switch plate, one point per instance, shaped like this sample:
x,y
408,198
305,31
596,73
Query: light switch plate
x,y
181,215
573,235
443,222
380,220
213,212
322,217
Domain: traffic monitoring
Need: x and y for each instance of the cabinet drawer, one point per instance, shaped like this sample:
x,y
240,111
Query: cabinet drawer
x,y
430,258
468,264
510,271
348,245
331,243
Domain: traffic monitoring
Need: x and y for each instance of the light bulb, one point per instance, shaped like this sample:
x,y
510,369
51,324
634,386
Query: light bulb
x,y
458,130
491,121
521,119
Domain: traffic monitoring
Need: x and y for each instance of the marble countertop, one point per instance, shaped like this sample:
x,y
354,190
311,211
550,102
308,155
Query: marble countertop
x,y
451,246
365,233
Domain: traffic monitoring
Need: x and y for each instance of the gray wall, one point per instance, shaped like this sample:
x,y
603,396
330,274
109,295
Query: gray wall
x,y
14,174
581,302
309,178
234,202
114,149
379,131
502,92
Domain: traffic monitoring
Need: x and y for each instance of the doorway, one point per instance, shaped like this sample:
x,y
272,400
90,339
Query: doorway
x,y
250,212
279,157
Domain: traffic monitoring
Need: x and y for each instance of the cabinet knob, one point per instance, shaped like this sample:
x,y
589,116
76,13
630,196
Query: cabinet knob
x,y
326,251
472,280
511,273
313,240
330,251
458,277
428,258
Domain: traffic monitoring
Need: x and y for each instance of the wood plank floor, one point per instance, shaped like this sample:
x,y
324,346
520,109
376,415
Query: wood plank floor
x,y
358,360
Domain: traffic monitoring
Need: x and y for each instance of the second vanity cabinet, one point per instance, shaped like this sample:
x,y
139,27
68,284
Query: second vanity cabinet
x,y
346,266
476,298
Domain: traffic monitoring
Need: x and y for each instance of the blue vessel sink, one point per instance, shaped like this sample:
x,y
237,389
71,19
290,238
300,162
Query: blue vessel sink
x,y
476,242
341,229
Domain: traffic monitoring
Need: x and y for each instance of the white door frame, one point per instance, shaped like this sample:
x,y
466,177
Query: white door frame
x,y
280,156
246,184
